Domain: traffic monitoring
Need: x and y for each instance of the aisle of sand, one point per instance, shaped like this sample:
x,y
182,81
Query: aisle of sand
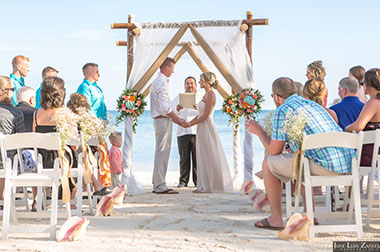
x,y
183,222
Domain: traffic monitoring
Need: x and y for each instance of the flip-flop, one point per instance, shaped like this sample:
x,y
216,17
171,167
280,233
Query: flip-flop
x,y
266,225
168,191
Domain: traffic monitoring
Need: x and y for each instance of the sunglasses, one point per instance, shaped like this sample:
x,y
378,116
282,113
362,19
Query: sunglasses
x,y
275,94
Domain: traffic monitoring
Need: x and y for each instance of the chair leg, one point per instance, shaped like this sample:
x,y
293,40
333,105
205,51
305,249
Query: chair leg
x,y
54,210
26,196
6,209
358,209
13,205
89,197
369,199
309,205
288,199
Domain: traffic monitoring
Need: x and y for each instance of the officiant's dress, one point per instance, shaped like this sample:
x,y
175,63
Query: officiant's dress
x,y
213,171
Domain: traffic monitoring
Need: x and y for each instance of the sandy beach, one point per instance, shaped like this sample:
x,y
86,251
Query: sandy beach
x,y
182,222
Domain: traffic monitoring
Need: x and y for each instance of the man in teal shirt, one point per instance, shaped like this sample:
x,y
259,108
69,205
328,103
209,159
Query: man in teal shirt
x,y
20,65
90,89
47,72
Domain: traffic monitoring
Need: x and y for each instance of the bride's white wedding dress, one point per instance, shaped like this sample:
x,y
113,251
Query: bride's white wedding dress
x,y
213,173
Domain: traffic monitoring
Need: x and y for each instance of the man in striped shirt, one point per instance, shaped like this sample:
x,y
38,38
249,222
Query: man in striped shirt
x,y
277,166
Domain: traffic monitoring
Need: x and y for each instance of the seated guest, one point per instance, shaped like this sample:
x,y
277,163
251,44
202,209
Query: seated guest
x,y
349,108
76,102
26,99
11,119
299,88
315,90
358,72
369,117
315,70
277,167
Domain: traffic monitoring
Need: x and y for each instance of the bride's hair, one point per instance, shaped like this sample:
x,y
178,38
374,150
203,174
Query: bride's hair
x,y
210,77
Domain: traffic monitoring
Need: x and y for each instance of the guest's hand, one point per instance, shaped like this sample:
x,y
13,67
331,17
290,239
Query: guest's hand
x,y
179,107
254,127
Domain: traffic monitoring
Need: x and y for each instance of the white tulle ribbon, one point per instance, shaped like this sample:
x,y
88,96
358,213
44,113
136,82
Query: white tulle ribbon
x,y
133,186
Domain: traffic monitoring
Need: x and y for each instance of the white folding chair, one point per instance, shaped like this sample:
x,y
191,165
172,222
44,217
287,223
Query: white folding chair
x,y
334,139
370,137
39,179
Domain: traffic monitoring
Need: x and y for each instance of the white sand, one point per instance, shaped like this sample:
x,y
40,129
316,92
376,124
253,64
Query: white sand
x,y
182,222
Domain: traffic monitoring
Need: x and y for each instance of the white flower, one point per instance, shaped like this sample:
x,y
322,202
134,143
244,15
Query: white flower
x,y
67,125
294,125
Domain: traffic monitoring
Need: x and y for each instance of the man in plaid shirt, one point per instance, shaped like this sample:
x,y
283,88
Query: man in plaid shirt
x,y
277,167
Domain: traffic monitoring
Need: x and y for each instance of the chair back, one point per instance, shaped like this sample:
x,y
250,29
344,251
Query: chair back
x,y
334,139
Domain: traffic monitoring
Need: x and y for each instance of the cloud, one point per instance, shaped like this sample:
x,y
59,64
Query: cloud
x,y
88,34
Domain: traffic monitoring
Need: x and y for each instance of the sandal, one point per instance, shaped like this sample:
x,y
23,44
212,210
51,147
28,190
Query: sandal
x,y
103,192
168,191
266,225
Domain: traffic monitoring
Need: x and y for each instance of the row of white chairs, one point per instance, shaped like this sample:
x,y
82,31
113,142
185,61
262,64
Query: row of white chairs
x,y
354,201
42,178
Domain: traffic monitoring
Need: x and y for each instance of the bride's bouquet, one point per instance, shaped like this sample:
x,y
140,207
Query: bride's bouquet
x,y
247,103
130,103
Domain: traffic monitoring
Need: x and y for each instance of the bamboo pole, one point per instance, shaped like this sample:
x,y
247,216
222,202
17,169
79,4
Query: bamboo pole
x,y
131,19
248,35
203,68
128,26
217,62
261,21
121,43
172,43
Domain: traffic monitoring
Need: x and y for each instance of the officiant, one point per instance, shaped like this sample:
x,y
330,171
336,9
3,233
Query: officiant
x,y
185,106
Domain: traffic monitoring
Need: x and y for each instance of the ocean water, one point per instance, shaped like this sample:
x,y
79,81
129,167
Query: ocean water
x,y
144,142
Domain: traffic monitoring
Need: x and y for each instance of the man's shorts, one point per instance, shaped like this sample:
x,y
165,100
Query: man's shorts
x,y
281,166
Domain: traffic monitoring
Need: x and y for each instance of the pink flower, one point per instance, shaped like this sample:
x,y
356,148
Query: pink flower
x,y
138,103
248,111
254,97
246,91
252,106
124,97
242,96
134,94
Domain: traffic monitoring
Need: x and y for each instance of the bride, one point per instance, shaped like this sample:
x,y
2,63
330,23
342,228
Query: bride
x,y
213,172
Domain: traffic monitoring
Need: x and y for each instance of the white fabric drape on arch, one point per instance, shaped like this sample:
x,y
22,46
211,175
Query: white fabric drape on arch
x,y
228,43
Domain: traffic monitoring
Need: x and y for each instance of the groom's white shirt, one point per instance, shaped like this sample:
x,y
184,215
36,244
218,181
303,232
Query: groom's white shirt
x,y
159,96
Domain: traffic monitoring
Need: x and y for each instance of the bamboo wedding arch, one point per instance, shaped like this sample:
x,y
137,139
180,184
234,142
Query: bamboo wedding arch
x,y
140,85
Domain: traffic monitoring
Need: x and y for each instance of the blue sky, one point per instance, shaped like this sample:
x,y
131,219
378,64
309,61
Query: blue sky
x,y
68,34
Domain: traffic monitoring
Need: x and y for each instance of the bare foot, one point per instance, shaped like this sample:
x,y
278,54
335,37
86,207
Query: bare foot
x,y
259,174
196,191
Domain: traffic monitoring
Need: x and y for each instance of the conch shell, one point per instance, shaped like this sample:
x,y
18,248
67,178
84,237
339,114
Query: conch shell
x,y
247,187
105,206
73,229
118,195
297,227
260,201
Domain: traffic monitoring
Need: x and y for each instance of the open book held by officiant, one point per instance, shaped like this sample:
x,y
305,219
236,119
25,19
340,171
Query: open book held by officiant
x,y
187,100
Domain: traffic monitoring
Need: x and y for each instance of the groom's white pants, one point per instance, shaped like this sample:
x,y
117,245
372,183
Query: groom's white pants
x,y
163,133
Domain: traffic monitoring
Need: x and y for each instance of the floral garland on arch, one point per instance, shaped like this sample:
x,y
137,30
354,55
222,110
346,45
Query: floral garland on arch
x,y
247,103
130,103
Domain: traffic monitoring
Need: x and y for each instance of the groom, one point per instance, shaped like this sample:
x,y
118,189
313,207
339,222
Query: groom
x,y
162,122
